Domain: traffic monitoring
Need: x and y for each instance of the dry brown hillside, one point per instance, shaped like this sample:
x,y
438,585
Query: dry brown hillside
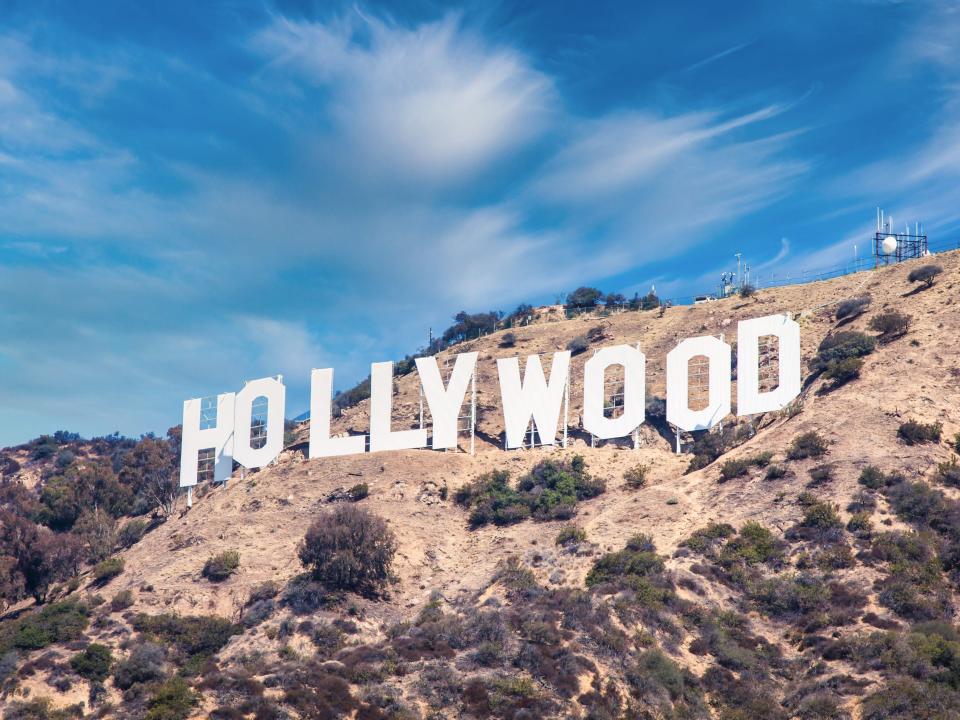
x,y
723,629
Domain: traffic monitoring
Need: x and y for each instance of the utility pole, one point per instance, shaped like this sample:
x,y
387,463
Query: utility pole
x,y
739,281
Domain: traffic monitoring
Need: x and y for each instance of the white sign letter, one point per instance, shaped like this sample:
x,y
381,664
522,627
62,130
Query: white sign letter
x,y
634,378
381,410
445,403
321,444
678,390
532,396
275,394
749,398
219,437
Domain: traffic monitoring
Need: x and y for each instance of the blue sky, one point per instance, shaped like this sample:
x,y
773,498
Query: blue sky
x,y
194,194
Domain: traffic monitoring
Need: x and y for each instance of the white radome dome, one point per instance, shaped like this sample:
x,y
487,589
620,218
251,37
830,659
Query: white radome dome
x,y
889,245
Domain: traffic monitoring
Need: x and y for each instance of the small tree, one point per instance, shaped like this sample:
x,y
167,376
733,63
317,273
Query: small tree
x,y
925,274
150,470
221,566
852,307
93,663
584,297
349,549
890,324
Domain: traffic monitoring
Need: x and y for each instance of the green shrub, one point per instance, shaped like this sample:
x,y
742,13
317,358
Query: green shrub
x,y
753,545
908,699
949,472
174,700
872,477
550,491
637,560
918,433
636,477
807,445
132,532
41,708
195,637
820,475
791,596
93,663
844,371
859,524
143,665
349,548
121,601
775,472
106,570
734,468
840,355
221,566
571,534
821,516
656,675
706,537
55,623
738,467
358,492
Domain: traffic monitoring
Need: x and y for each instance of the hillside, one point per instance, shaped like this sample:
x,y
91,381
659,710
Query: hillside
x,y
824,594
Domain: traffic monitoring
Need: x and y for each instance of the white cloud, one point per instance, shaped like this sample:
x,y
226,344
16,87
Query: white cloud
x,y
432,104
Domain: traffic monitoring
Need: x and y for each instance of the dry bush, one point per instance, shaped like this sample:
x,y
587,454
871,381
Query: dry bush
x,y
349,549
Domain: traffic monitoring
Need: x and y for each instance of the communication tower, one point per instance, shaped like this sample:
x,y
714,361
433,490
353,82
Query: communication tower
x,y
892,246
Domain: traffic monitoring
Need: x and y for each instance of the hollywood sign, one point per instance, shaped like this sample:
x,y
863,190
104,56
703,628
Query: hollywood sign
x,y
525,399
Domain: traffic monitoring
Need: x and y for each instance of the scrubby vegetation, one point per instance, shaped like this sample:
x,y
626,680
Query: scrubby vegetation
x,y
103,572
578,345
550,491
913,432
739,467
571,534
349,549
191,639
86,489
636,477
55,623
807,445
221,566
925,274
840,356
93,663
852,307
891,325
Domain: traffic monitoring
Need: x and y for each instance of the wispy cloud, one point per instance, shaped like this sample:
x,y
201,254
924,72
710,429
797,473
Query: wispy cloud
x,y
717,56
